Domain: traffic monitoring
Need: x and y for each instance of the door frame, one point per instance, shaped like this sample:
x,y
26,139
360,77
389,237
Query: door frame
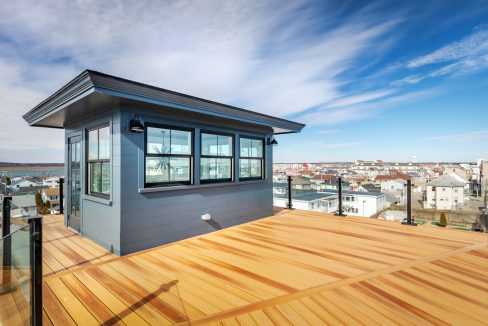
x,y
71,139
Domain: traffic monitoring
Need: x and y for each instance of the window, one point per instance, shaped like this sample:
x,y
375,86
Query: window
x,y
217,153
251,159
99,161
168,156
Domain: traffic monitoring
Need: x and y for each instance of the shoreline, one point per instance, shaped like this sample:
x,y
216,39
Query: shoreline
x,y
30,168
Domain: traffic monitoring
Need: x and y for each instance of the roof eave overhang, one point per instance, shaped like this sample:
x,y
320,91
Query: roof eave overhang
x,y
78,88
89,82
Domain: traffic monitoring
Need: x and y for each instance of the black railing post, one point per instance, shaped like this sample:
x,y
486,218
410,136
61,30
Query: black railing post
x,y
6,216
7,247
290,204
409,205
339,186
61,195
35,226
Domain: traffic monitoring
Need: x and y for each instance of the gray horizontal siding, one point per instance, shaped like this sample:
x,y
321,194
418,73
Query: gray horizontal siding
x,y
153,219
100,222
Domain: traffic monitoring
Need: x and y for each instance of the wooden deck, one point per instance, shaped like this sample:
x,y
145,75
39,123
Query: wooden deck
x,y
294,268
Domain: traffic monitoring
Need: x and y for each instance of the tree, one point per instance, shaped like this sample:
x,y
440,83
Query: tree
x,y
41,206
443,220
9,182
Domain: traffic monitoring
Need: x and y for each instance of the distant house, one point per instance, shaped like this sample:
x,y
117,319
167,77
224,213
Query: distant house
x,y
404,167
367,187
28,190
321,178
394,185
361,166
145,166
51,195
395,190
52,182
311,201
35,179
361,203
445,192
280,188
393,175
23,205
22,183
301,183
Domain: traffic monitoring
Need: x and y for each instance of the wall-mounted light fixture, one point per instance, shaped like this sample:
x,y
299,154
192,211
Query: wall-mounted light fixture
x,y
135,124
271,141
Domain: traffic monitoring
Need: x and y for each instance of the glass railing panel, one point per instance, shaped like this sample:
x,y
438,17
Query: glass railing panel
x,y
18,217
15,277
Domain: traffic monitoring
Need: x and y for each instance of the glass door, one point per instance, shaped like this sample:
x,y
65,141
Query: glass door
x,y
74,182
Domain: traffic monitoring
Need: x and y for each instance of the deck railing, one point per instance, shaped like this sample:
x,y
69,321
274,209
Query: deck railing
x,y
21,265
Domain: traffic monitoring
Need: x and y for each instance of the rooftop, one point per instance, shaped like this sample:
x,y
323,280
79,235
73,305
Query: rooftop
x,y
348,192
309,196
446,180
277,270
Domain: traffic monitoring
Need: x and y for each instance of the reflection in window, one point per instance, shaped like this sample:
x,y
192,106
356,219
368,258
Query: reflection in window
x,y
216,158
99,161
251,158
168,156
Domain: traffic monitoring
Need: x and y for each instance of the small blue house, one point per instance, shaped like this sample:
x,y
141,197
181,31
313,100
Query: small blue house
x,y
147,166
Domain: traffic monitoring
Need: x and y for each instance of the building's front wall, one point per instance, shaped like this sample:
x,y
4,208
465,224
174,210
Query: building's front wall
x,y
155,216
444,197
363,205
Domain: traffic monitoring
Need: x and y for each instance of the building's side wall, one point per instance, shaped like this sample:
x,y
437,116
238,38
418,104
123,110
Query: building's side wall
x,y
429,197
449,197
164,216
100,219
484,178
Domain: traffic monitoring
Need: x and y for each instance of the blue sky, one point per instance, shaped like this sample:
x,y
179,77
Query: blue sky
x,y
372,80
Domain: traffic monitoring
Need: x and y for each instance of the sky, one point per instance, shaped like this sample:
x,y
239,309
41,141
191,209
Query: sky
x,y
386,80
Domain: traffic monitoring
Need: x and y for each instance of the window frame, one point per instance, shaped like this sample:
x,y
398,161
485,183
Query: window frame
x,y
262,158
89,161
232,157
191,156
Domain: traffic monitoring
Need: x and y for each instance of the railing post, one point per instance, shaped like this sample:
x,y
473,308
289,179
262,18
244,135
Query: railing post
x,y
7,247
339,186
61,195
290,205
409,205
6,216
35,226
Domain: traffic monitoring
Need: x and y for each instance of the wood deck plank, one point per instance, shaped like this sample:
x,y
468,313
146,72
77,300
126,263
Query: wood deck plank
x,y
91,300
295,268
75,308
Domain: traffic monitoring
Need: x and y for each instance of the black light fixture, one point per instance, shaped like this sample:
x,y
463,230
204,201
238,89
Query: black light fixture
x,y
272,141
135,124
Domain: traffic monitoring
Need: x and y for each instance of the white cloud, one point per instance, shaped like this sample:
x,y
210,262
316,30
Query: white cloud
x,y
471,46
355,112
272,57
409,80
459,58
361,98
